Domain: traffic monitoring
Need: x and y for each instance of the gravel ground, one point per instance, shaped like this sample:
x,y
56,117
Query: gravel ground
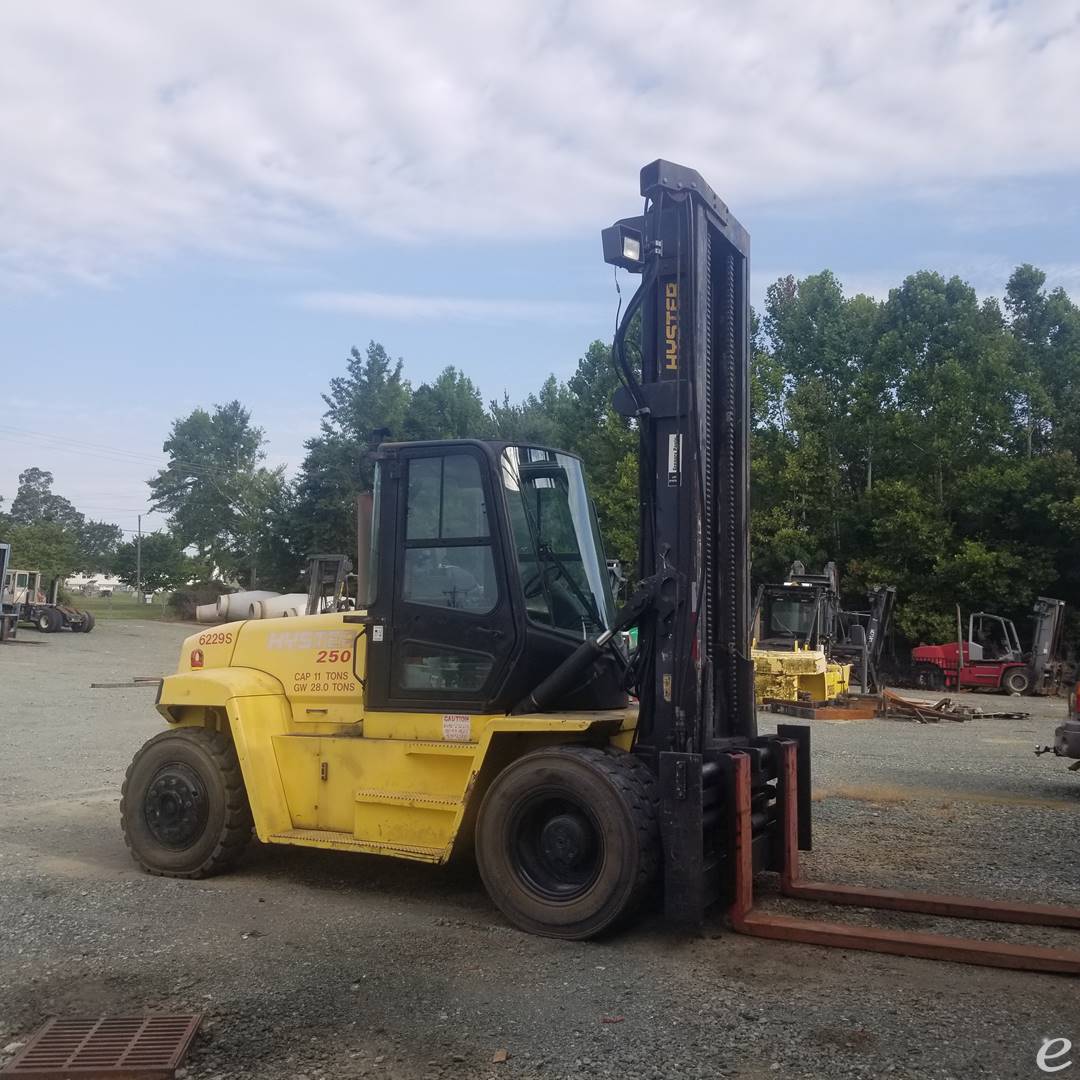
x,y
315,965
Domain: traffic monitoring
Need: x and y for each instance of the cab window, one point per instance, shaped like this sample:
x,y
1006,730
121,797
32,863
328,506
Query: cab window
x,y
448,556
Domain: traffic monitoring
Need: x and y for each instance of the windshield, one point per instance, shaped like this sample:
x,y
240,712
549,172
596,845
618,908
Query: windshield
x,y
789,617
559,553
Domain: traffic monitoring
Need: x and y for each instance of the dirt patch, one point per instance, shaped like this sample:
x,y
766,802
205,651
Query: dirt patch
x,y
886,794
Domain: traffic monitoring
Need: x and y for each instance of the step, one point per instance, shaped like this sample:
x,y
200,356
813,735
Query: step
x,y
328,838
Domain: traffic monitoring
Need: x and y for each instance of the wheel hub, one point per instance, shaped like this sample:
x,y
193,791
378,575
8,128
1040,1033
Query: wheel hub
x,y
557,847
175,806
565,841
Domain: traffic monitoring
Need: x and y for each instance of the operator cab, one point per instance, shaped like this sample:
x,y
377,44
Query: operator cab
x,y
486,571
990,637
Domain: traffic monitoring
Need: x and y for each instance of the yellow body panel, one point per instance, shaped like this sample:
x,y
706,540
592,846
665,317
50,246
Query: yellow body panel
x,y
319,770
805,674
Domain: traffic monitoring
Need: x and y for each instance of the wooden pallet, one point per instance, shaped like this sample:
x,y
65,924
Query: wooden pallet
x,y
852,707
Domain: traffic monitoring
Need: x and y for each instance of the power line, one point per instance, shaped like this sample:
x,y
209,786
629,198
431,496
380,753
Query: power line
x,y
109,453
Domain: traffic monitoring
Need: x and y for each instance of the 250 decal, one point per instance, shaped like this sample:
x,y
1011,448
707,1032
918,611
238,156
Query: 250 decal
x,y
333,656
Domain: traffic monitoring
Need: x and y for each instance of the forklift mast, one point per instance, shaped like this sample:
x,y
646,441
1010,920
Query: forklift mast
x,y
696,683
695,677
1046,666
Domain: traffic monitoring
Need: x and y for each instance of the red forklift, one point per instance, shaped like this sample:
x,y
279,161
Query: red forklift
x,y
992,659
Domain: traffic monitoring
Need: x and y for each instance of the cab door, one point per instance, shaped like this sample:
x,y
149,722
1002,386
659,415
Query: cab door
x,y
450,635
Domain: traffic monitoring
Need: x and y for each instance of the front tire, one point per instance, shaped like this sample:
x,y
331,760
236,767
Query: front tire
x,y
568,842
183,807
1017,681
49,621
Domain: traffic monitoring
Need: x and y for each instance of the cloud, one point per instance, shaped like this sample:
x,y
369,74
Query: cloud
x,y
459,308
134,132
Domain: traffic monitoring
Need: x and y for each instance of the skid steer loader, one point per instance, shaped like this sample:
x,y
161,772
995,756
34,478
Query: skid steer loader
x,y
477,699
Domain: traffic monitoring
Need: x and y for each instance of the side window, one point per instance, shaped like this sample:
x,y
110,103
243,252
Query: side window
x,y
448,556
435,667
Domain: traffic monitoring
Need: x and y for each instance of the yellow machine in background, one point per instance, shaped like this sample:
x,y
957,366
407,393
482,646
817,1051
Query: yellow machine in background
x,y
804,674
795,628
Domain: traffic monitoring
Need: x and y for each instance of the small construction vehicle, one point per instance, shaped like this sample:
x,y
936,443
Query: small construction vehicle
x,y
477,699
991,658
24,596
807,648
794,625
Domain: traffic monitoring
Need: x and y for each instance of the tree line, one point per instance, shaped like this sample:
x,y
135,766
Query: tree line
x,y
929,440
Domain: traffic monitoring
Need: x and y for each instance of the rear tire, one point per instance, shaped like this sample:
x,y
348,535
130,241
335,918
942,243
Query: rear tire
x,y
183,807
927,676
88,622
568,841
1016,681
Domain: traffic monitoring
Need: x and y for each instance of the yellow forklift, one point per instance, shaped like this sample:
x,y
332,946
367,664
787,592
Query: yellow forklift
x,y
477,701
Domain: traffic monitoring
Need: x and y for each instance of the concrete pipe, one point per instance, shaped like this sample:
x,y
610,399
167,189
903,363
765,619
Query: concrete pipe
x,y
237,605
207,613
277,606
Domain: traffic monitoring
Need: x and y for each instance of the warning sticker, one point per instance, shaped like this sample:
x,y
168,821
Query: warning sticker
x,y
674,460
456,727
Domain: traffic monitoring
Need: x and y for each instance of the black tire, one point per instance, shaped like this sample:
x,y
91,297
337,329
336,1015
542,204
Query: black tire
x,y
183,807
48,621
927,676
1016,680
568,840
88,623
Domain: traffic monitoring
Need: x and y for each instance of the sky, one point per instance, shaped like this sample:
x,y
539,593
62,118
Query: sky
x,y
207,201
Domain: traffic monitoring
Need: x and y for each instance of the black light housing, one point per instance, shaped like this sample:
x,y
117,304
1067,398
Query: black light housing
x,y
624,244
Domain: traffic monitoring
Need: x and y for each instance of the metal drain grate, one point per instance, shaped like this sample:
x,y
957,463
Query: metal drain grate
x,y
106,1048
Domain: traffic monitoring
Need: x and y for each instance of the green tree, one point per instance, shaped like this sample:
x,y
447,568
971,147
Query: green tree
x,y
45,546
164,564
363,407
923,441
35,501
608,444
97,542
215,489
448,408
536,420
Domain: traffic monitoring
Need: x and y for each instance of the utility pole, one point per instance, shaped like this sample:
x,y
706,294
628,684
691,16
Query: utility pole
x,y
138,560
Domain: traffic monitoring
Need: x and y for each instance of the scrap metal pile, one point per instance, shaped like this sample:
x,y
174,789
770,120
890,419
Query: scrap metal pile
x,y
895,707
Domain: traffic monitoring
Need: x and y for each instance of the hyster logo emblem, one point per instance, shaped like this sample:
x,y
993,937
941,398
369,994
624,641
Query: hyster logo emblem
x,y
671,326
196,658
